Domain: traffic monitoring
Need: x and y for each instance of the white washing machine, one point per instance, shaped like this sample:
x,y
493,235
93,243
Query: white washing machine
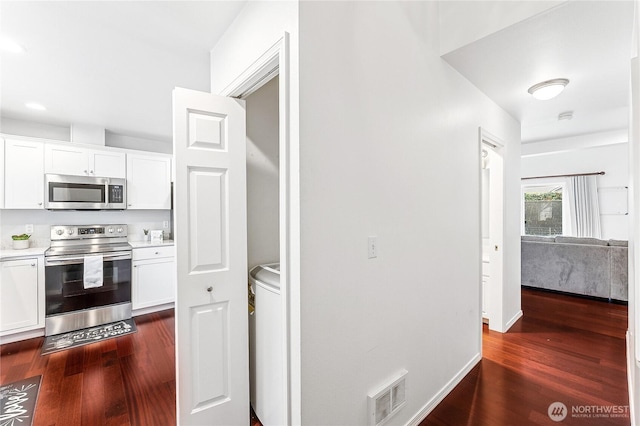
x,y
266,345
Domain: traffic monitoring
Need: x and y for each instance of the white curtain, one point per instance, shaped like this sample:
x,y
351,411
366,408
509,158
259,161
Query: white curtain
x,y
584,209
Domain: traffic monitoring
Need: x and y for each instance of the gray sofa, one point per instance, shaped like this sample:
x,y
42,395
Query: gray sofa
x,y
586,266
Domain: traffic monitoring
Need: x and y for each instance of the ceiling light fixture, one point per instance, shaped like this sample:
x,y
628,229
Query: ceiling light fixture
x,y
8,45
36,106
548,89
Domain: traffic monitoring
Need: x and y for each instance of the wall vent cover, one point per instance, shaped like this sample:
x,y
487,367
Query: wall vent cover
x,y
387,400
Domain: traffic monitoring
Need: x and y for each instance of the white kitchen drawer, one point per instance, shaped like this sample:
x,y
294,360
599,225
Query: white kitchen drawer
x,y
153,252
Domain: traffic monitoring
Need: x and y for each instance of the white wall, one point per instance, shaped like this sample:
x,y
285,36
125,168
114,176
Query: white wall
x,y
255,30
63,133
14,221
609,137
633,344
389,147
463,22
387,128
130,142
612,159
32,129
263,231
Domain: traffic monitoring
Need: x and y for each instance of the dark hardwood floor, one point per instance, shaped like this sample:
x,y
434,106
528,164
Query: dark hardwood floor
x,y
129,380
564,349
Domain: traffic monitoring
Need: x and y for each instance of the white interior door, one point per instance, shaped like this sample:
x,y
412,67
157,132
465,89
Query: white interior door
x,y
493,241
209,144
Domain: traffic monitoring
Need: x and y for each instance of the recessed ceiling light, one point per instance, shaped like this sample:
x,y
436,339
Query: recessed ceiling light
x,y
36,106
567,115
548,89
11,46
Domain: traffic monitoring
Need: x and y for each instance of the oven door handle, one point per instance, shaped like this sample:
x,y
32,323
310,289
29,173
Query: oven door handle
x,y
73,260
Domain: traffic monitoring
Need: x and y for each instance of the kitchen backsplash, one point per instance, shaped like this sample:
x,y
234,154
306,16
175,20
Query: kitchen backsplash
x,y
13,222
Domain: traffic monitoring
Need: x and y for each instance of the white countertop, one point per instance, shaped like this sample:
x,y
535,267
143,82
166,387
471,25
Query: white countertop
x,y
39,251
30,252
141,244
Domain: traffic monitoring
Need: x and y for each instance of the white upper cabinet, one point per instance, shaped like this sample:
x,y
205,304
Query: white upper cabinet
x,y
81,161
148,182
23,175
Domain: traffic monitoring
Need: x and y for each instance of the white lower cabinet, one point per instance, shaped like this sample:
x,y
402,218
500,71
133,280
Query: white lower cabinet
x,y
153,276
21,298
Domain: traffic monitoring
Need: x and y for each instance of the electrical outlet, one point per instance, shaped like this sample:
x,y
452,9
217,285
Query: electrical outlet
x,y
165,224
373,247
28,228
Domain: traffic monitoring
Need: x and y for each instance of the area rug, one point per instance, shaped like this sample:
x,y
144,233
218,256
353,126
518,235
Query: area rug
x,y
73,339
18,402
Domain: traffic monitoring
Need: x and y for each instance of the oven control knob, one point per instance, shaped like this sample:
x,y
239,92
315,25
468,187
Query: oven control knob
x,y
70,231
110,230
60,231
119,230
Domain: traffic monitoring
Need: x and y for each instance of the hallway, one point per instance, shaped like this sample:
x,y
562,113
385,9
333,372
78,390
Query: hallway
x,y
564,349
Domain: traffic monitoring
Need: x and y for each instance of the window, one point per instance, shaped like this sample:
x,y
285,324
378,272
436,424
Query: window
x,y
543,209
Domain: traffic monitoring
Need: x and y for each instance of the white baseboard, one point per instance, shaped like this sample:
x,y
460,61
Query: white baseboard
x,y
10,338
513,320
437,399
151,309
630,365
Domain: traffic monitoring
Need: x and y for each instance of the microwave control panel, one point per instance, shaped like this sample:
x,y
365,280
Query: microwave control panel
x,y
116,194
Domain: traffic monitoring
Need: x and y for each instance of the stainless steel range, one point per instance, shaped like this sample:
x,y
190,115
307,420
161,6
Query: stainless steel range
x,y
87,277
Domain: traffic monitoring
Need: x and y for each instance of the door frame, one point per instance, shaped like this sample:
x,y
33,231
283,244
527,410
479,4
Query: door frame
x,y
486,140
276,61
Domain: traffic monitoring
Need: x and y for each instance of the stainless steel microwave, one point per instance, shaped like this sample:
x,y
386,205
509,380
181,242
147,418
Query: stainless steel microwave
x,y
65,192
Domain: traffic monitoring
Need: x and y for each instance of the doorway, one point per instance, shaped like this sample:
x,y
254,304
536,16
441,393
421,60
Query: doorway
x,y
266,320
492,229
272,69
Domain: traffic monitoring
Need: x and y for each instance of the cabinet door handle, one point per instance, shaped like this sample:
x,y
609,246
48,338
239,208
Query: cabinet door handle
x,y
33,264
210,289
40,203
86,172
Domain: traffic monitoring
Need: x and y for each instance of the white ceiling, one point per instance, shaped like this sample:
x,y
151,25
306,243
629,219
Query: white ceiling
x,y
588,42
111,64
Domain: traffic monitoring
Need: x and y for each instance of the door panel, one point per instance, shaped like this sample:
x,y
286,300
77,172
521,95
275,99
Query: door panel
x,y
211,258
209,326
208,233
